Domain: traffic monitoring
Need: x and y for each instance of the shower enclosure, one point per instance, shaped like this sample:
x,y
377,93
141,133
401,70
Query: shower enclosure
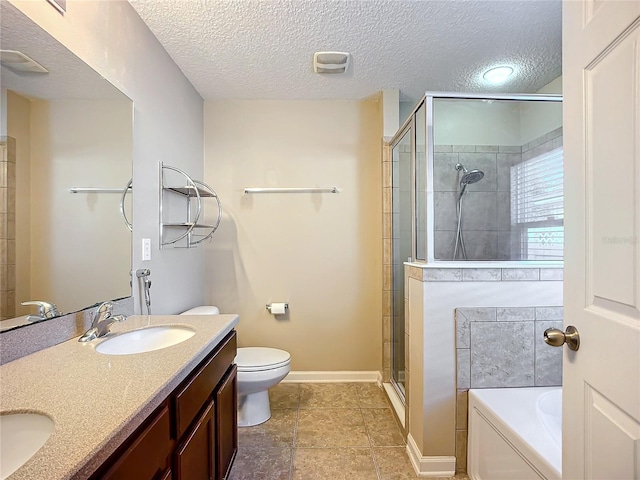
x,y
474,178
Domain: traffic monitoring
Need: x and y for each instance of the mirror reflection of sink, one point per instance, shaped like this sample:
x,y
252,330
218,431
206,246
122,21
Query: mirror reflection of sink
x,y
21,436
145,340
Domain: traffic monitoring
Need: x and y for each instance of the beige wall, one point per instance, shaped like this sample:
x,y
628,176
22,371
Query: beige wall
x,y
111,38
19,127
538,119
496,123
475,122
322,253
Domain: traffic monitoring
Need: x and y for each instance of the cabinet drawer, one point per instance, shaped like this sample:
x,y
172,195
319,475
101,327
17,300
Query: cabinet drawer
x,y
194,393
147,456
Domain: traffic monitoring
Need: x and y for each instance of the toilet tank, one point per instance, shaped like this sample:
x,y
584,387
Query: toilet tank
x,y
203,310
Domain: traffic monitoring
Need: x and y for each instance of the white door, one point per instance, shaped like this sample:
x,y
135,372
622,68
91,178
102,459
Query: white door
x,y
601,72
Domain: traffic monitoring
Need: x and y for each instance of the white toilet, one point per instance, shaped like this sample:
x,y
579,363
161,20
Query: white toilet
x,y
259,369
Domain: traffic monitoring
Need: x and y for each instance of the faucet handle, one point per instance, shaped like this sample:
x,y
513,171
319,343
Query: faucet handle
x,y
104,309
45,309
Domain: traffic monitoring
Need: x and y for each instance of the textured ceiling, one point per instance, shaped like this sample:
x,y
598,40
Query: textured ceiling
x,y
264,48
68,77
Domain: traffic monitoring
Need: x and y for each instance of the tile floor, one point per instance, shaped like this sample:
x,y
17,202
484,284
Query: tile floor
x,y
327,431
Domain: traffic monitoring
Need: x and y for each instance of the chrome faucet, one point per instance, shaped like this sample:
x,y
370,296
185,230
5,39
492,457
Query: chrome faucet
x,y
45,310
102,319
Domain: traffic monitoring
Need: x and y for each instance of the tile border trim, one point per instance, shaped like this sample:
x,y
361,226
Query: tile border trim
x,y
489,274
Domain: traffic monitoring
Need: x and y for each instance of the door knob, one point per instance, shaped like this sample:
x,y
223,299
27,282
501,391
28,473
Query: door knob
x,y
557,338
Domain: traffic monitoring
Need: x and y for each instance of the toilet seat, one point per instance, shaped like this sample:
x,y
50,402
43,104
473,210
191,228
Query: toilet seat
x,y
256,359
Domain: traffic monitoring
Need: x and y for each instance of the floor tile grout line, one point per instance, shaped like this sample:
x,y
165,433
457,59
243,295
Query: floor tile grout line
x,y
371,451
294,442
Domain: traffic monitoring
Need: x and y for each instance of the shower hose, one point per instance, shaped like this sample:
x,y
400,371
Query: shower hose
x,y
459,237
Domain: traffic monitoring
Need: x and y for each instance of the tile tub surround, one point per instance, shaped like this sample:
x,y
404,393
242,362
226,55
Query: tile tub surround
x,y
435,291
325,431
70,382
503,347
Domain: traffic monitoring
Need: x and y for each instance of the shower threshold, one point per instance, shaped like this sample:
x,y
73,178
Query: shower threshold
x,y
396,402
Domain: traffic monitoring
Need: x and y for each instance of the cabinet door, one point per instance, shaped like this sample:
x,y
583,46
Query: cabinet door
x,y
146,456
226,400
195,458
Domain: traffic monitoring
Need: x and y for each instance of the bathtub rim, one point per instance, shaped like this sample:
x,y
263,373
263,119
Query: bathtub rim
x,y
533,441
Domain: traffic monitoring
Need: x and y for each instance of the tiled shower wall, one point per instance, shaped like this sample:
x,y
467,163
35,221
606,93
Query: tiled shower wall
x,y
486,216
7,227
486,209
401,250
503,347
396,245
387,264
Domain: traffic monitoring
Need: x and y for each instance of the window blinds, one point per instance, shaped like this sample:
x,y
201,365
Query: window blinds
x,y
537,205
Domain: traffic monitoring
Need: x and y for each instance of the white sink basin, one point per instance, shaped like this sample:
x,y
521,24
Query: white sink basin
x,y
145,340
21,436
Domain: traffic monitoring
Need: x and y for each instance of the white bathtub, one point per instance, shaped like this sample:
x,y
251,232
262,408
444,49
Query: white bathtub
x,y
515,433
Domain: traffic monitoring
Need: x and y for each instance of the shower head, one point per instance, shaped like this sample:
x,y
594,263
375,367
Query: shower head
x,y
469,177
472,177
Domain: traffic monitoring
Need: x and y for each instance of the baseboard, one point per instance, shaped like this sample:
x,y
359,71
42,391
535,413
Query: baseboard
x,y
332,377
429,466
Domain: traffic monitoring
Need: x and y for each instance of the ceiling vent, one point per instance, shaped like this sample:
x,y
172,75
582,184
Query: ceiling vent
x,y
330,62
19,62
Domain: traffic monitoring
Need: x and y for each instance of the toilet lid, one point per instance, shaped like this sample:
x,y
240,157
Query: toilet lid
x,y
261,358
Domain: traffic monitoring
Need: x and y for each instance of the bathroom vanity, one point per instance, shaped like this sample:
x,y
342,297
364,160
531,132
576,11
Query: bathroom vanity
x,y
192,434
170,413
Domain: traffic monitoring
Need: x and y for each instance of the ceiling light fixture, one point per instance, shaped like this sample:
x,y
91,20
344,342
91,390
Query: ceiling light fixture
x,y
497,75
19,62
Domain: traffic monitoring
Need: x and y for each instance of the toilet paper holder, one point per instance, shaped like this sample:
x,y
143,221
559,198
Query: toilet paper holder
x,y
286,307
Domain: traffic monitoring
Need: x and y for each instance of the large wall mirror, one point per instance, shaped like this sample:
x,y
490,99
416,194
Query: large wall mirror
x,y
65,128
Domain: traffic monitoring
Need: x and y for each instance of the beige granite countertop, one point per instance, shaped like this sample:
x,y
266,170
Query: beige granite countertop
x,y
96,400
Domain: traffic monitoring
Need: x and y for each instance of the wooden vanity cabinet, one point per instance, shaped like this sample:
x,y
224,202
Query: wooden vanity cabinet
x,y
193,435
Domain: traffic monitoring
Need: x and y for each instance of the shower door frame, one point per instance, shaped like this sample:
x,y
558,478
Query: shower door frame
x,y
407,126
428,100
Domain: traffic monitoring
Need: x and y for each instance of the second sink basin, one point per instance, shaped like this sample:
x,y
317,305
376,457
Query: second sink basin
x,y
145,340
21,436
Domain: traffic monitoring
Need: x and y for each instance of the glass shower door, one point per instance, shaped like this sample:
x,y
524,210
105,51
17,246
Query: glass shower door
x,y
402,225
